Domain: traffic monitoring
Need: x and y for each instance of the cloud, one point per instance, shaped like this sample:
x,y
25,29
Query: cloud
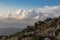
x,y
38,13
21,18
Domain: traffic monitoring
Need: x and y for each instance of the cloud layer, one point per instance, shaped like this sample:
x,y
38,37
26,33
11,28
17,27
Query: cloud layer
x,y
39,13
20,18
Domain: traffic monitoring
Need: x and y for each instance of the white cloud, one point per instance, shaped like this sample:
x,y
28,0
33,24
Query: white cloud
x,y
37,17
39,13
27,17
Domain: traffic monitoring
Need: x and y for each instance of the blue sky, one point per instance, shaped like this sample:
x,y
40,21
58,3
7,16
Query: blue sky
x,y
27,4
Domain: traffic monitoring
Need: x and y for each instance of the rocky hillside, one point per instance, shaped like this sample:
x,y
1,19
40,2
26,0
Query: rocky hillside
x,y
49,29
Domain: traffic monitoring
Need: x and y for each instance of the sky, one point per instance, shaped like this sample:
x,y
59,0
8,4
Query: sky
x,y
19,13
31,9
27,4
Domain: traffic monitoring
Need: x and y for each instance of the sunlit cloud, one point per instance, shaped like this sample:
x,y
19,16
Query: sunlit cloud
x,y
21,18
38,13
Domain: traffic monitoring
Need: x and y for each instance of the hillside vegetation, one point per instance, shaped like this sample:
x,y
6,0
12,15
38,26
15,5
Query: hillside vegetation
x,y
49,29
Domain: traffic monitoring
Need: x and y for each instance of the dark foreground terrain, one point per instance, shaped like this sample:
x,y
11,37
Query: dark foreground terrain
x,y
49,29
